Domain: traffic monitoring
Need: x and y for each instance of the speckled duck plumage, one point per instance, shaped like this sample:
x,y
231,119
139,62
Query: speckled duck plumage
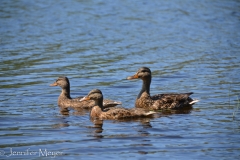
x,y
98,111
65,100
159,101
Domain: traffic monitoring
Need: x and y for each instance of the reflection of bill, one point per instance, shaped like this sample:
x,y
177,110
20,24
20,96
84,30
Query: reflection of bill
x,y
28,152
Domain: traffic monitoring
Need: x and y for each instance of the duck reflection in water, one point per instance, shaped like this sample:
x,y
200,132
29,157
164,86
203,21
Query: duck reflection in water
x,y
98,124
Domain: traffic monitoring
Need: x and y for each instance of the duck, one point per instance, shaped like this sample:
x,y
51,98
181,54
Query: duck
x,y
172,101
65,100
114,113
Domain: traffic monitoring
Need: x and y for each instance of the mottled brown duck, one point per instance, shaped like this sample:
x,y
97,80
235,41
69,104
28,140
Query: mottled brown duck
x,y
65,100
159,101
99,112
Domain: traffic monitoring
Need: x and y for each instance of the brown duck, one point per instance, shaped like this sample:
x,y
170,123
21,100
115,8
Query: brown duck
x,y
98,111
65,100
159,101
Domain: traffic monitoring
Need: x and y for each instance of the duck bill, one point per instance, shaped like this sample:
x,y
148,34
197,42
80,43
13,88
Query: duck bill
x,y
54,84
86,98
133,77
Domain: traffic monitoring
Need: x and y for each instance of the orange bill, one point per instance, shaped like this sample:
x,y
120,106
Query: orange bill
x,y
54,84
132,77
86,98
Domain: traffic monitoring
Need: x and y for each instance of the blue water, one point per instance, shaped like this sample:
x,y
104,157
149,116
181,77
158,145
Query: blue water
x,y
189,46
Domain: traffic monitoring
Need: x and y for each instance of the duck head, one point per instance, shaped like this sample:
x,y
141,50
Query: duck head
x,y
142,73
95,95
63,82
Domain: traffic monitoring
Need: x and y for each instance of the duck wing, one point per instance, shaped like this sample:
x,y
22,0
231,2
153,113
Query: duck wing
x,y
110,103
164,95
124,113
172,100
116,113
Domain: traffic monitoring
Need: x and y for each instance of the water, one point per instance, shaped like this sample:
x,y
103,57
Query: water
x,y
189,46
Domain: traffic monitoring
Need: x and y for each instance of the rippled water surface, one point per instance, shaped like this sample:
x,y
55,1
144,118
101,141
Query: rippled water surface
x,y
189,46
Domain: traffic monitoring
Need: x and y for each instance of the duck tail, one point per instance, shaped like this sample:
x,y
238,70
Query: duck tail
x,y
194,101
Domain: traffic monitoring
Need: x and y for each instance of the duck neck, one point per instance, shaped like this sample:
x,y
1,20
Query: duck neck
x,y
66,92
99,103
97,109
145,86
